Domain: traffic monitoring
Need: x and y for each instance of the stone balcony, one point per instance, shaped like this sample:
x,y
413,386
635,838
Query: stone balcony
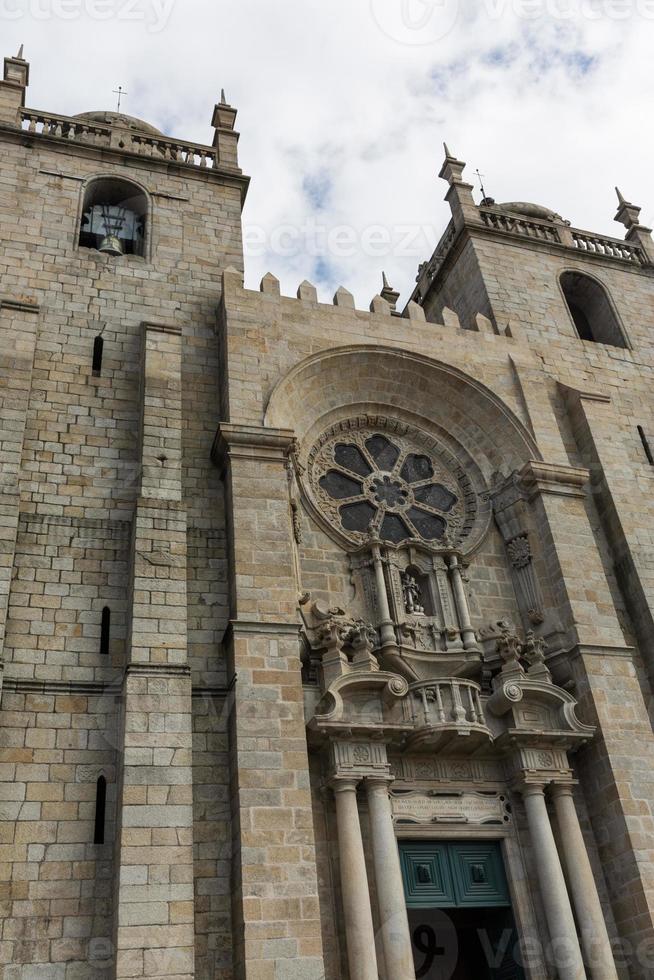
x,y
448,713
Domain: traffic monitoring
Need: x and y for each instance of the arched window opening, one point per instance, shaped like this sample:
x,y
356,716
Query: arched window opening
x,y
98,347
100,807
105,631
114,218
591,310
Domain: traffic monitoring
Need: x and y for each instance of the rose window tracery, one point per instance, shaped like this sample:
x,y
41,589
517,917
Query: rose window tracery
x,y
398,483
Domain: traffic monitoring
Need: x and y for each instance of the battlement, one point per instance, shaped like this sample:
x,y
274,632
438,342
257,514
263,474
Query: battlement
x,y
380,311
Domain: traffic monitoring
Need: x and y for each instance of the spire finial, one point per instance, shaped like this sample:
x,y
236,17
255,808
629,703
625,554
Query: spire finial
x,y
19,56
621,199
388,293
223,99
448,153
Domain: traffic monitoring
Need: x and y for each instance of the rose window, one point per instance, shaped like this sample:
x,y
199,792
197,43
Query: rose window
x,y
371,481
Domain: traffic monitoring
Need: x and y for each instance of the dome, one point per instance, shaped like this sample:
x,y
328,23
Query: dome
x,y
528,210
120,121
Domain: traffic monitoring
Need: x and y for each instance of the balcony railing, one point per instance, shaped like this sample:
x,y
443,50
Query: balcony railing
x,y
85,132
191,154
445,709
525,227
614,248
583,241
63,127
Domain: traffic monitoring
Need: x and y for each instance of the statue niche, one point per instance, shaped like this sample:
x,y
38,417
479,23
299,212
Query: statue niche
x,y
415,595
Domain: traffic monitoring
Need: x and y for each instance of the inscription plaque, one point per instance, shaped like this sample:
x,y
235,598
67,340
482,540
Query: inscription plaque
x,y
426,808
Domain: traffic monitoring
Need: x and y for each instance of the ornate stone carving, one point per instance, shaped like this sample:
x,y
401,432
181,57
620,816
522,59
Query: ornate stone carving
x,y
337,643
519,551
512,515
412,593
409,769
509,648
358,759
375,474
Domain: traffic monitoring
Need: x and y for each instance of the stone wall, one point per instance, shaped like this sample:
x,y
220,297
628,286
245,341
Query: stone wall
x,y
74,443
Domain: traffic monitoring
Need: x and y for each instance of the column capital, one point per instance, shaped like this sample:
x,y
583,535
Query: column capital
x,y
378,782
344,784
252,442
562,789
531,789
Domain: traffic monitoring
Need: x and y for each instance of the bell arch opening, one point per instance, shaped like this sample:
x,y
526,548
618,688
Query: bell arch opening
x,y
591,310
114,217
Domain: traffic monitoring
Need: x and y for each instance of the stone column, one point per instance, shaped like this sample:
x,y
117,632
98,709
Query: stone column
x,y
565,951
387,629
359,930
461,600
394,921
594,934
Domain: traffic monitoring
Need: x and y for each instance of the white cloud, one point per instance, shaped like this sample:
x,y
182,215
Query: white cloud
x,y
344,106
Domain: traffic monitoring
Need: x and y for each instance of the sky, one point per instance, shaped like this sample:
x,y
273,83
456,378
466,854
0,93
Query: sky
x,y
344,106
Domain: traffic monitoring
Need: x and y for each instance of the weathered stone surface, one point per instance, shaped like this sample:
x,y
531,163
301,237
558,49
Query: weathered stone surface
x,y
173,488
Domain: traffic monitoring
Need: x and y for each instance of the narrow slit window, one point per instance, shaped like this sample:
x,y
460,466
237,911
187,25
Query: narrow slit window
x,y
105,631
100,808
646,445
98,347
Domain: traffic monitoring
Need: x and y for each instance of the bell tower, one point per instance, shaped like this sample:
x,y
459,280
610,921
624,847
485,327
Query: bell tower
x,y
114,237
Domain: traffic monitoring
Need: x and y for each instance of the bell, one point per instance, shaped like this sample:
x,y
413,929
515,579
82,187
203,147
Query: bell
x,y
114,222
111,245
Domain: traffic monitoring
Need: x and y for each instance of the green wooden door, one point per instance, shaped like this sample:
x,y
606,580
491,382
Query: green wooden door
x,y
460,877
469,874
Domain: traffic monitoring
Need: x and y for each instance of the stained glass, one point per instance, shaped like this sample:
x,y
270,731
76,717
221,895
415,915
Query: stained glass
x,y
384,453
357,517
352,459
428,526
339,486
436,496
394,529
416,468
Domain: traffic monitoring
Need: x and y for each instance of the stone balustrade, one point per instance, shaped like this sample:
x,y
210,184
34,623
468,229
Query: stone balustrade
x,y
64,127
557,234
154,147
516,225
445,709
191,154
612,248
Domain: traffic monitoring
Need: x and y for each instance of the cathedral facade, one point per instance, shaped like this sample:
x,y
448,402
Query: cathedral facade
x,y
326,635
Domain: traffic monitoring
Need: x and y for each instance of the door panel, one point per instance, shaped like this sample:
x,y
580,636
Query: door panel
x,y
478,875
427,876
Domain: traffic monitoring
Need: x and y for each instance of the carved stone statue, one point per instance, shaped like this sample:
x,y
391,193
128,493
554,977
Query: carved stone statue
x,y
413,599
